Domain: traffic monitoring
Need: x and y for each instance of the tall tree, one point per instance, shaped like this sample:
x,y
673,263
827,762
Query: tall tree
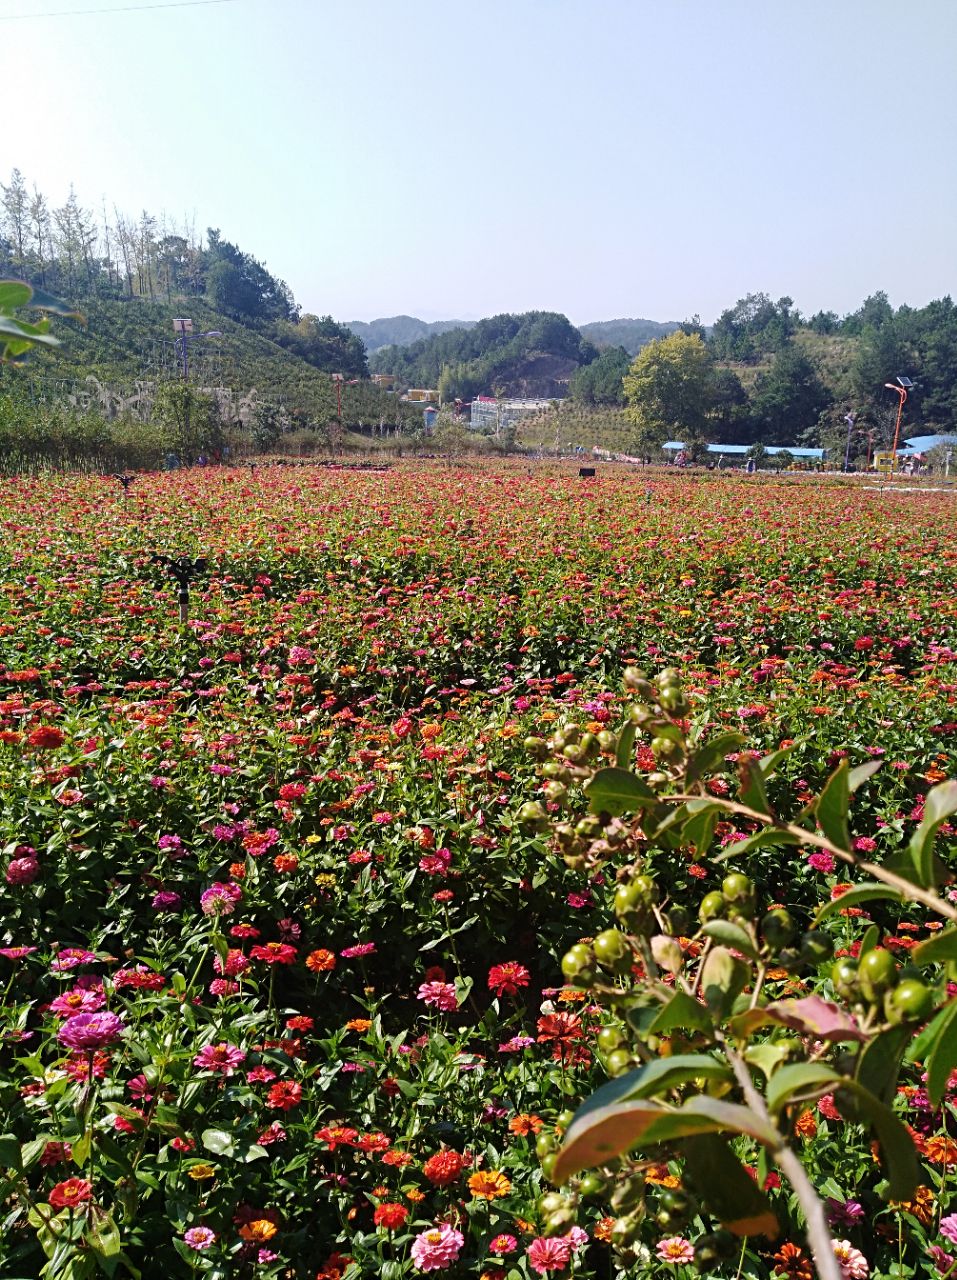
x,y
670,389
16,208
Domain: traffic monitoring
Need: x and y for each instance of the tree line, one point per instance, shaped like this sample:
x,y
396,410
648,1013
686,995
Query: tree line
x,y
78,254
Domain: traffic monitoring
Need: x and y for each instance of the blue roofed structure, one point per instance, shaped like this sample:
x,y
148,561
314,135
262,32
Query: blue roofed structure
x,y
741,450
924,444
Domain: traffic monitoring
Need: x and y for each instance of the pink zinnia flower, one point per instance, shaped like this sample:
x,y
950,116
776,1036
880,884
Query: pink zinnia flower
x,y
853,1263
549,1253
503,1244
90,1031
822,862
360,949
199,1238
675,1249
78,1001
439,995
948,1228
437,1248
224,1058
22,871
220,899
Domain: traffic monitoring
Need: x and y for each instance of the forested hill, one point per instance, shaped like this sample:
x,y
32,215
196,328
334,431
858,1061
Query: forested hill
x,y
399,331
534,354
630,334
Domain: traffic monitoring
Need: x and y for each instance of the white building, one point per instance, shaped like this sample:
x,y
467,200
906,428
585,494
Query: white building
x,y
489,414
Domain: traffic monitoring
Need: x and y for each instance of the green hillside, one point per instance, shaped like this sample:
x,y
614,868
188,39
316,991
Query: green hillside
x,y
124,341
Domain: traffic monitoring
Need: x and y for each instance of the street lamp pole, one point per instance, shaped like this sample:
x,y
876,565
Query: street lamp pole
x,y
850,419
901,387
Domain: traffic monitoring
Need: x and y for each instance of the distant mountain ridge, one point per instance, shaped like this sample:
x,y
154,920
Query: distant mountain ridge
x,y
400,331
630,334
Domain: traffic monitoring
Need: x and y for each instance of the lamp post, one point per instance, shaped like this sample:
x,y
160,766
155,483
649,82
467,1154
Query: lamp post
x,y
901,387
850,419
339,379
184,329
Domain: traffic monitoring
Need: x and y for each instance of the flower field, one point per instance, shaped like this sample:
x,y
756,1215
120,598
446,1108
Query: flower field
x,y
284,949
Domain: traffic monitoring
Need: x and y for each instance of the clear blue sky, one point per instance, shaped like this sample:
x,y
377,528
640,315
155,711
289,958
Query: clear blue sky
x,y
599,157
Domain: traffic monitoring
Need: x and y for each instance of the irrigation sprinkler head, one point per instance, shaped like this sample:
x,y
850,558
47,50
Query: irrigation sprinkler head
x,y
125,481
183,570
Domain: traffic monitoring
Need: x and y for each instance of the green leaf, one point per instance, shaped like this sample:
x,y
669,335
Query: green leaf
x,y
760,839
13,294
9,1145
860,893
682,1011
769,763
29,333
937,949
699,828
899,1159
80,1149
872,936
651,1078
618,791
218,1141
767,1057
942,1058
626,745
603,1134
722,980
752,792
709,758
926,1039
879,1062
941,802
831,807
43,301
731,935
727,1189
730,1116
797,1078
103,1235
861,773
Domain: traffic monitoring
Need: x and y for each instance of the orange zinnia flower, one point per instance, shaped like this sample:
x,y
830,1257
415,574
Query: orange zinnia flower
x,y
320,961
258,1231
489,1184
523,1124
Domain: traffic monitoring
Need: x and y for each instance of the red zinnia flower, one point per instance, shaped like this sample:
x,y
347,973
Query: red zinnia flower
x,y
65,1195
46,737
391,1216
336,1135
505,979
284,1095
444,1167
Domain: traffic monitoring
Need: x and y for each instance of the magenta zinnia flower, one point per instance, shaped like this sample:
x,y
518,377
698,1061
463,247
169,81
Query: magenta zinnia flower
x,y
437,1248
219,1057
90,1031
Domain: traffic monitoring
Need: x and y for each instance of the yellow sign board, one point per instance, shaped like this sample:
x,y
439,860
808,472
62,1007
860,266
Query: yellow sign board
x,y
884,460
